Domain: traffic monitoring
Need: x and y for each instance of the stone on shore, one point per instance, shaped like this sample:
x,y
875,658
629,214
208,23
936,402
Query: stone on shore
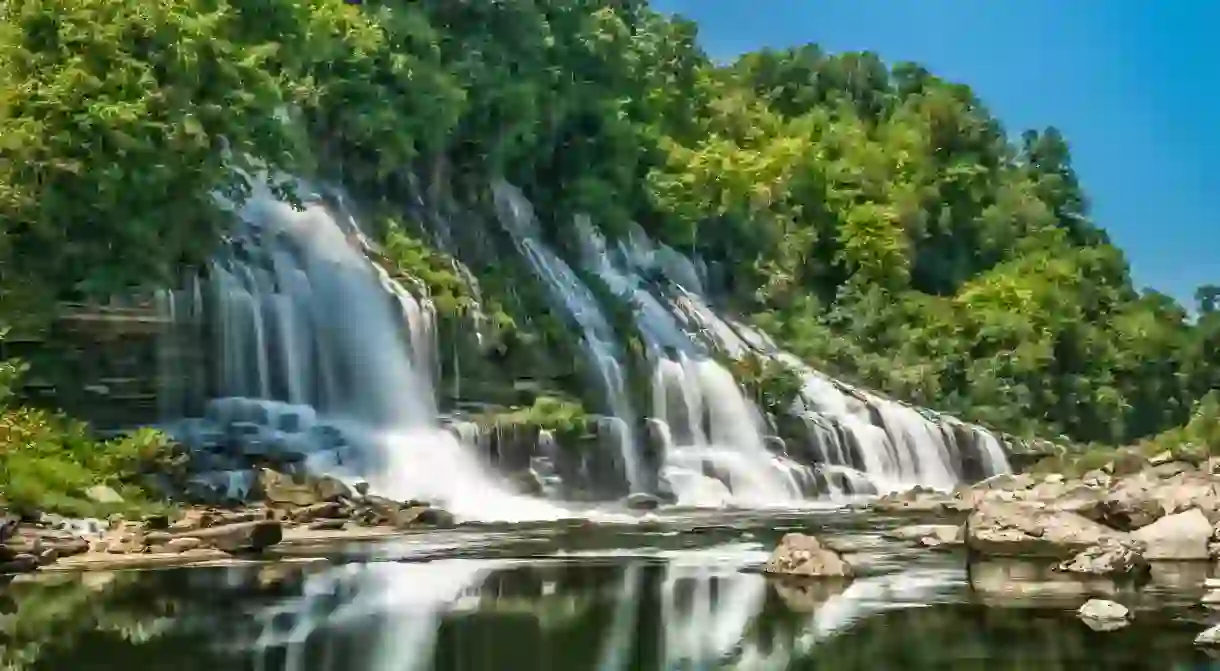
x,y
1031,529
801,555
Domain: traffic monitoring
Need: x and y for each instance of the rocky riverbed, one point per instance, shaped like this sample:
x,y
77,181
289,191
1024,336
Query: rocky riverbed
x,y
289,509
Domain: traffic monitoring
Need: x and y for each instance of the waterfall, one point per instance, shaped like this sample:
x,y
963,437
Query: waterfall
x,y
726,463
862,442
318,350
574,298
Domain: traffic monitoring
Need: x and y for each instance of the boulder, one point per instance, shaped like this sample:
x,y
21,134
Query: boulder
x,y
1031,529
801,555
1181,536
1102,615
1114,558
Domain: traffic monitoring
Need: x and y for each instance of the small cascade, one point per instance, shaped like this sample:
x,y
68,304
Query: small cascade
x,y
305,326
516,215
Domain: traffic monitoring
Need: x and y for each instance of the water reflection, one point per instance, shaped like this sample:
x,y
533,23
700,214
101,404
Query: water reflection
x,y
685,610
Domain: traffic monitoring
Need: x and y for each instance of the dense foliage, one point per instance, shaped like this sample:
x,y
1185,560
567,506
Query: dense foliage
x,y
877,220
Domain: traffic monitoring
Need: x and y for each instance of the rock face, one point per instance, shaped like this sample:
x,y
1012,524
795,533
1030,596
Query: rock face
x,y
801,555
1112,557
1102,615
1031,529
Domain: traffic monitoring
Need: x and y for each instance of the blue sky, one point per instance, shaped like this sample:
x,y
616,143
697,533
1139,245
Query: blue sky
x,y
1133,84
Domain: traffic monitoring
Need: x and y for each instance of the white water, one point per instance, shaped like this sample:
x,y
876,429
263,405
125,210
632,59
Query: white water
x,y
516,215
303,319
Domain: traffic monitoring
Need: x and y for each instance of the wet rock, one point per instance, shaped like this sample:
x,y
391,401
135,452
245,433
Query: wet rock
x,y
1211,599
1182,536
1031,529
1112,557
801,555
642,501
928,535
103,494
1102,615
21,563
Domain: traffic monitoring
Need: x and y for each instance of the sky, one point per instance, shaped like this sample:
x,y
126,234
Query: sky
x,y
1133,84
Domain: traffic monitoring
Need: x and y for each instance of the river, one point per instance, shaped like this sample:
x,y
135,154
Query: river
x,y
679,591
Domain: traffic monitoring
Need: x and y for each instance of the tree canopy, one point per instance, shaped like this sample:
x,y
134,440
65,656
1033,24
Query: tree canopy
x,y
876,218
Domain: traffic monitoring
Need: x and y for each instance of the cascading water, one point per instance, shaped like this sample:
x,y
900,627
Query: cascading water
x,y
569,293
862,443
320,352
726,463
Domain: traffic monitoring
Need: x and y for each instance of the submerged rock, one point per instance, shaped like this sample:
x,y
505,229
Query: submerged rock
x,y
801,555
1102,615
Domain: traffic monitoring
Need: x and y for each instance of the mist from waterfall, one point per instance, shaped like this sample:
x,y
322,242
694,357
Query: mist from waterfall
x,y
324,353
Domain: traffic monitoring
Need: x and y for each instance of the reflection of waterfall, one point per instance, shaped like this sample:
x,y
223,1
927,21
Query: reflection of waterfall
x,y
692,613
400,606
320,353
517,216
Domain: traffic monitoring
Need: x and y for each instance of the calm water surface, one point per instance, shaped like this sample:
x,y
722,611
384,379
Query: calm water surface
x,y
678,594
